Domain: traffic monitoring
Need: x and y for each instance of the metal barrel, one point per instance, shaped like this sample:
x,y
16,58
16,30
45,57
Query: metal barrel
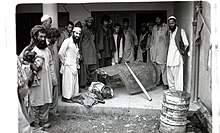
x,y
173,118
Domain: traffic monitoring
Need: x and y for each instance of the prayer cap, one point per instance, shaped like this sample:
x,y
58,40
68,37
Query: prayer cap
x,y
77,29
171,17
44,17
35,29
89,19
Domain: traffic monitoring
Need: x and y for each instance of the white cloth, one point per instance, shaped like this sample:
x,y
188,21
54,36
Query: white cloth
x,y
23,125
44,17
175,77
118,52
174,58
69,55
42,94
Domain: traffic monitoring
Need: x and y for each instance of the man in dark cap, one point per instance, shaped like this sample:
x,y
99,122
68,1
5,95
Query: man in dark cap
x,y
105,43
88,50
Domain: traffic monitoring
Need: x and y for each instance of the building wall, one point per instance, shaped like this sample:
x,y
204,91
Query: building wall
x,y
183,11
80,12
205,90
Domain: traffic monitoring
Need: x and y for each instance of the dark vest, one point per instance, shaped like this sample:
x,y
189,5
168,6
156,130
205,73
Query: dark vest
x,y
180,44
119,37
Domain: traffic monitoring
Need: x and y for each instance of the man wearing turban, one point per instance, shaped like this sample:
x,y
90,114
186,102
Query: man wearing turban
x,y
40,97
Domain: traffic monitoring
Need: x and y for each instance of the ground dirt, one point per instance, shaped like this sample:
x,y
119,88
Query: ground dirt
x,y
96,123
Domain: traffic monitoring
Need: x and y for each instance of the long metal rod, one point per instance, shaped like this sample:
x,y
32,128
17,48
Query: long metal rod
x,y
138,82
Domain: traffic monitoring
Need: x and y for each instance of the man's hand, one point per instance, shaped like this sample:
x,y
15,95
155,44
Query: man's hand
x,y
99,56
23,91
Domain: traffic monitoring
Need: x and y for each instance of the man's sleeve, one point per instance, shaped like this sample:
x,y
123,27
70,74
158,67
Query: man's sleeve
x,y
62,51
185,41
184,38
52,69
60,40
135,38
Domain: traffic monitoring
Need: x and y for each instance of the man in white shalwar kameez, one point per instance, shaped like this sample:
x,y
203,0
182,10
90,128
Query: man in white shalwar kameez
x,y
176,52
41,96
69,57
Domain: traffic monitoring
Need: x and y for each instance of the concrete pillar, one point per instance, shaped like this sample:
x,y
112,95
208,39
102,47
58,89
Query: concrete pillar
x,y
51,10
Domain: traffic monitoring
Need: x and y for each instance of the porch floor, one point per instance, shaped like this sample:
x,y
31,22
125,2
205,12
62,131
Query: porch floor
x,y
122,103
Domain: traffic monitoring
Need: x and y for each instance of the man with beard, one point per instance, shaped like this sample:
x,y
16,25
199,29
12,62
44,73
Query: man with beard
x,y
69,57
88,50
41,96
141,52
131,41
178,48
52,36
66,33
105,43
160,48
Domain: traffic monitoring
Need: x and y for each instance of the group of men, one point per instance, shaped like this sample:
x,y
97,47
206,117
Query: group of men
x,y
166,46
81,49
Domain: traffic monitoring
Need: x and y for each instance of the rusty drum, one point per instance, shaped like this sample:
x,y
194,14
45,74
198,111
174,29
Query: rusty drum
x,y
173,118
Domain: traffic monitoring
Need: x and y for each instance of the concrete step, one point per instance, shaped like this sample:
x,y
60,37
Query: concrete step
x,y
122,103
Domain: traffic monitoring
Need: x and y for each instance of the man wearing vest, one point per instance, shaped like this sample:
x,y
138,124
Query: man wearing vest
x,y
178,48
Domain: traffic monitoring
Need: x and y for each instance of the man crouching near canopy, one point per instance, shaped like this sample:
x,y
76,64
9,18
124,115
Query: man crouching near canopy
x,y
41,96
69,57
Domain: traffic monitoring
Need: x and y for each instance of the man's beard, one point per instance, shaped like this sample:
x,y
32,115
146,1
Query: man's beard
x,y
75,40
172,28
41,44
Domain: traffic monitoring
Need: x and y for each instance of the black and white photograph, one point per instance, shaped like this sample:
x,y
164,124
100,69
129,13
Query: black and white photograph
x,y
111,67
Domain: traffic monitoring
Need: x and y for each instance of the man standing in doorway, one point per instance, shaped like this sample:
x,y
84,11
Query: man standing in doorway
x,y
119,44
178,48
131,41
105,42
66,33
141,52
88,50
160,48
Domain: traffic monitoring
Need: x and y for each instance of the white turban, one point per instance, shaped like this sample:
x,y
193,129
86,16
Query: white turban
x,y
44,17
171,17
77,29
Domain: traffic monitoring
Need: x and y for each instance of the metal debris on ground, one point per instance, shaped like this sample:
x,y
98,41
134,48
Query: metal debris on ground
x,y
145,72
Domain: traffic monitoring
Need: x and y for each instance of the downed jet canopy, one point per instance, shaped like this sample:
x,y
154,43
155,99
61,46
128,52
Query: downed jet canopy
x,y
147,73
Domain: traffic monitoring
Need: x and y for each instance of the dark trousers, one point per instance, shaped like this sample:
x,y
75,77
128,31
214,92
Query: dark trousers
x,y
87,74
105,62
40,114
